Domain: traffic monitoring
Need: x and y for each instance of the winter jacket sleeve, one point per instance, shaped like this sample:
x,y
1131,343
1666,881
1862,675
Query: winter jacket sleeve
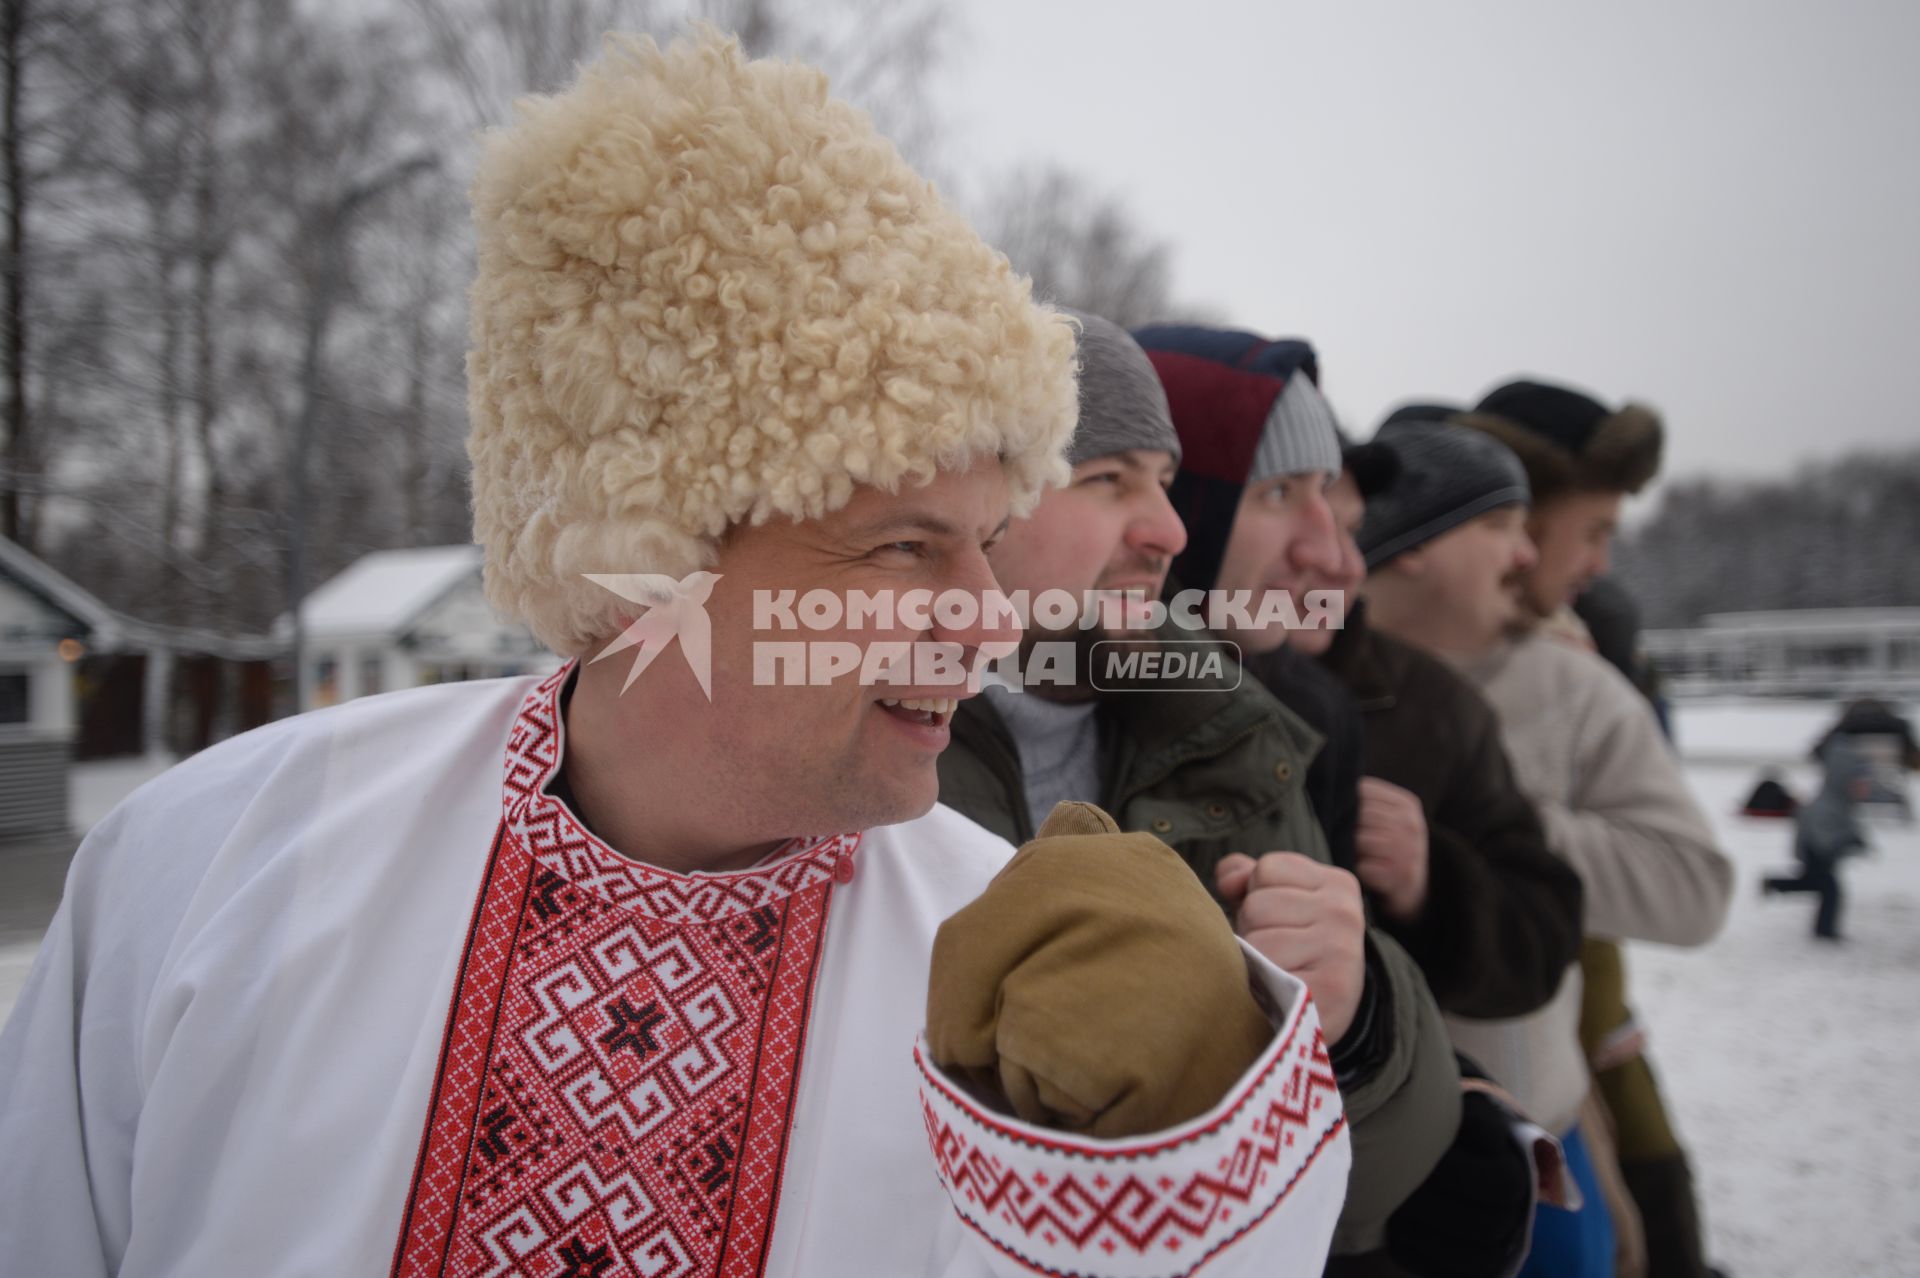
x,y
1403,1105
1641,845
1502,919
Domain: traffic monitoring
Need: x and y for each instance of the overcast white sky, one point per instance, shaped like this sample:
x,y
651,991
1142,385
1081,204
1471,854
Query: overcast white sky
x,y
1712,206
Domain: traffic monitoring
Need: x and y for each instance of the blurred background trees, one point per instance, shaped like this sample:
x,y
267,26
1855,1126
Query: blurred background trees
x,y
1841,534
233,257
232,282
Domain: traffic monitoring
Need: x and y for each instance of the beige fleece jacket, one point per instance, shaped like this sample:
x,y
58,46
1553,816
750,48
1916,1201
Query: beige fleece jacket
x,y
1587,750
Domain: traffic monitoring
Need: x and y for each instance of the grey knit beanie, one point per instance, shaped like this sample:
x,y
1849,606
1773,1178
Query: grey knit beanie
x,y
1122,404
1447,476
1300,436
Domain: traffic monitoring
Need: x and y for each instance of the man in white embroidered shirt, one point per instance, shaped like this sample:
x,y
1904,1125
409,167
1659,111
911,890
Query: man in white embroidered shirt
x,y
620,972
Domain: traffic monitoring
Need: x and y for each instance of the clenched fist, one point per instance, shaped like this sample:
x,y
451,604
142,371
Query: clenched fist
x,y
1307,918
1391,843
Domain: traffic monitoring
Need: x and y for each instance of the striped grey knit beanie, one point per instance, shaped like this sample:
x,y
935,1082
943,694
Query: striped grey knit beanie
x,y
1447,476
1122,405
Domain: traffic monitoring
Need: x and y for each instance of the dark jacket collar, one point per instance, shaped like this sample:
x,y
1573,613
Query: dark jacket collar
x,y
1149,736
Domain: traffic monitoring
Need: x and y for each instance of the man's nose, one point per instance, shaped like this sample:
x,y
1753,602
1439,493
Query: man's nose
x,y
972,611
1525,553
1316,540
1156,531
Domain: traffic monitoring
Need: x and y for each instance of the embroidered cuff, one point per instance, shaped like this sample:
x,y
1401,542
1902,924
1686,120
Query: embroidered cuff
x,y
1273,1148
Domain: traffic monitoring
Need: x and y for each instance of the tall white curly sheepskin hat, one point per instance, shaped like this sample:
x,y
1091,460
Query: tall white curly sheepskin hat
x,y
709,293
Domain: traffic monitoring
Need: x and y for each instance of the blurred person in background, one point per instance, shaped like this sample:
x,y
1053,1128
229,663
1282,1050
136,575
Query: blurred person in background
x,y
1583,459
1446,547
1458,864
1885,737
1827,831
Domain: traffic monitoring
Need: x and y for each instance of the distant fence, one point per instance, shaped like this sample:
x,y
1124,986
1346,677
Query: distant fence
x,y
1838,653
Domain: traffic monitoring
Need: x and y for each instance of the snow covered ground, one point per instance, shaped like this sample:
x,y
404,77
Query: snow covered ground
x,y
1793,1068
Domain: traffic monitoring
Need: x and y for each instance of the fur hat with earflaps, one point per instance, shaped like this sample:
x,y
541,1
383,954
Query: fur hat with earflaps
x,y
709,293
1570,442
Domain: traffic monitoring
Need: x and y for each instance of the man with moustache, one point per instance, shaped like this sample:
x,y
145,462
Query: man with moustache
x,y
1457,859
1585,749
1217,771
1583,459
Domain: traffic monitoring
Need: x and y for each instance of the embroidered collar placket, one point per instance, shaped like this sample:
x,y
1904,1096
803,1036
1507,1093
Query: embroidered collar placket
x,y
622,1053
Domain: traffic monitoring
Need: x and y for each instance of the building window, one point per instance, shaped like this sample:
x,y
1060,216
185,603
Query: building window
x,y
16,688
371,670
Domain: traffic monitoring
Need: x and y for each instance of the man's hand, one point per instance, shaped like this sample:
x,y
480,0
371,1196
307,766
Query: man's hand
x,y
1307,918
1390,842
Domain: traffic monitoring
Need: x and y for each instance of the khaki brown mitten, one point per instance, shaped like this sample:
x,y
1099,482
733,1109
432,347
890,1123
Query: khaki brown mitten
x,y
1094,986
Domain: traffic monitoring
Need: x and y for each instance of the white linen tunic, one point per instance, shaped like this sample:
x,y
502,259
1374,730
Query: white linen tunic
x,y
344,996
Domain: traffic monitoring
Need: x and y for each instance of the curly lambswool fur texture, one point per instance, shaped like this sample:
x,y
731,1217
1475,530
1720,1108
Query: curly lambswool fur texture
x,y
1622,455
709,293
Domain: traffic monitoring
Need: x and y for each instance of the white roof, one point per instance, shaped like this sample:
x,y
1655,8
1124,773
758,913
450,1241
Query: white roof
x,y
383,592
110,631
42,579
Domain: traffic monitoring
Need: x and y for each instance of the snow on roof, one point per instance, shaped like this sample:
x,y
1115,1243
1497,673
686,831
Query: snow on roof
x,y
61,592
381,593
110,631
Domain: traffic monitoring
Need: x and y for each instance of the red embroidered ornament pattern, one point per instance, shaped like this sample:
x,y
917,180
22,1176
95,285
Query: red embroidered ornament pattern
x,y
1141,1209
622,1053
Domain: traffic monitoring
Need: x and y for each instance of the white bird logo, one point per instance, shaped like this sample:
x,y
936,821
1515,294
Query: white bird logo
x,y
675,608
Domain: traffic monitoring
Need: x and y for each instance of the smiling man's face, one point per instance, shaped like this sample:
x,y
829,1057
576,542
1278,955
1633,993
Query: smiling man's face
x,y
1110,529
839,757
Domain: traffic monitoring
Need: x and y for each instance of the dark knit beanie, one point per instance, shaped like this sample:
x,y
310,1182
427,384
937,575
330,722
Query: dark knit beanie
x,y
1447,476
1418,411
1374,465
1246,409
1122,404
1569,441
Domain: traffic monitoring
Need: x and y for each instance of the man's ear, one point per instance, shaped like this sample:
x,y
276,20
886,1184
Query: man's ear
x,y
1411,562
